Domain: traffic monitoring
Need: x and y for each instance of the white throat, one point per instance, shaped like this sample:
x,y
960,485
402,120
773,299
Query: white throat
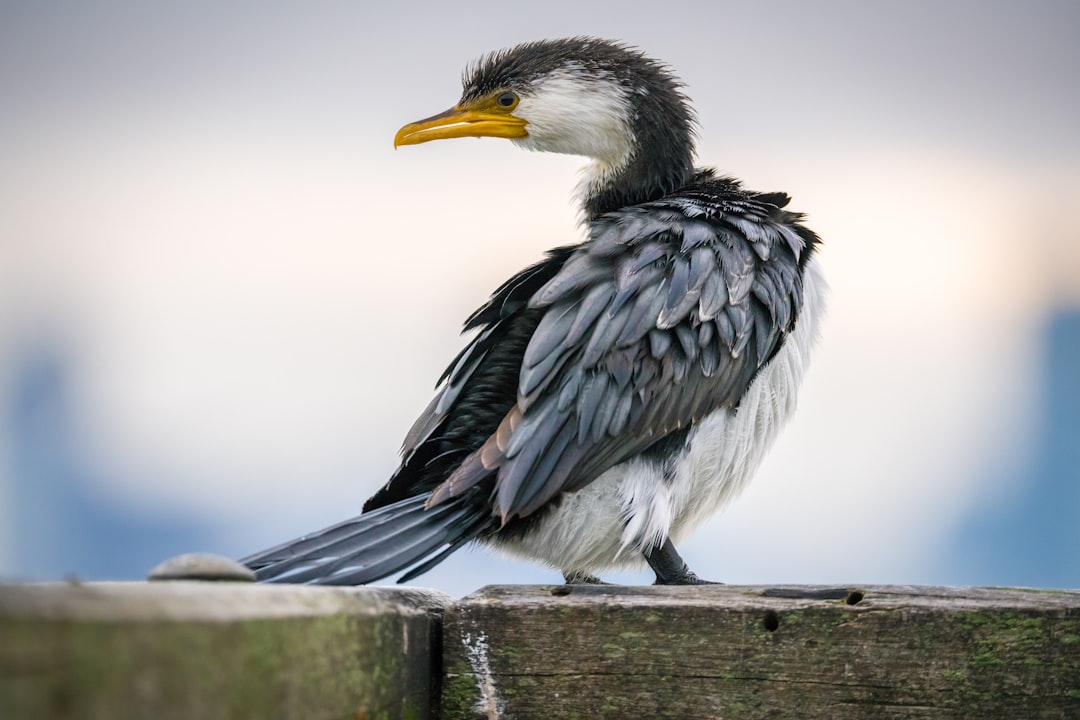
x,y
575,113
594,176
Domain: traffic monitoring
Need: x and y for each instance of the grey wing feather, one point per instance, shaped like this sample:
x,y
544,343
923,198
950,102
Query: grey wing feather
x,y
664,316
594,303
643,317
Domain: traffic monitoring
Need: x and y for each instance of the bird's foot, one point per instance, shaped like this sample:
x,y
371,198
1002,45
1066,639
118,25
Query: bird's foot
x,y
686,577
582,578
670,568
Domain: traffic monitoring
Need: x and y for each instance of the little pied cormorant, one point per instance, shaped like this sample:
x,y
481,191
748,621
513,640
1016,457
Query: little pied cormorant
x,y
619,391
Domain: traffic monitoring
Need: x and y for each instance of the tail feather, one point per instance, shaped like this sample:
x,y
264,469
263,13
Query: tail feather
x,y
327,537
353,540
433,561
372,545
386,564
367,563
313,541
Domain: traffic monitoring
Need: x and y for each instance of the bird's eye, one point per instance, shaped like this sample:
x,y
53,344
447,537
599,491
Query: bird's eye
x,y
507,99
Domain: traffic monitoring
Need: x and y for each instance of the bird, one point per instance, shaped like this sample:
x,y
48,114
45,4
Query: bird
x,y
624,388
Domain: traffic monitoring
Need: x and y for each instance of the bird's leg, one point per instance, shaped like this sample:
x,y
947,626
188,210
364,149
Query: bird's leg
x,y
670,568
581,578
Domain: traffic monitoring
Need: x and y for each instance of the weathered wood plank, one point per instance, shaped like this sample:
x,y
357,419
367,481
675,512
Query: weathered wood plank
x,y
751,652
216,650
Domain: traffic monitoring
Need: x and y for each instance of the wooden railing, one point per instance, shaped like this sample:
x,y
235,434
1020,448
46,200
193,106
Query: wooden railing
x,y
233,650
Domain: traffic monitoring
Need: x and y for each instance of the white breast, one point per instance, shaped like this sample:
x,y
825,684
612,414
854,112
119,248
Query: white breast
x,y
631,507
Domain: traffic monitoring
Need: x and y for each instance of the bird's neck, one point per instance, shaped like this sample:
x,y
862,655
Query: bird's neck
x,y
659,162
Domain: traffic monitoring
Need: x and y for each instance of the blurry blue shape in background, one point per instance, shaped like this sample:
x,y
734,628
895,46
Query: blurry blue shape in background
x,y
63,524
1032,537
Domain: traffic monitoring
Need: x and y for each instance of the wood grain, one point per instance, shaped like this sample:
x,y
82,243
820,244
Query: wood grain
x,y
213,651
755,652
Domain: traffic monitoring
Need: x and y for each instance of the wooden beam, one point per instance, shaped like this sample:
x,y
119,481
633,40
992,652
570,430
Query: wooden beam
x,y
216,650
754,652
226,650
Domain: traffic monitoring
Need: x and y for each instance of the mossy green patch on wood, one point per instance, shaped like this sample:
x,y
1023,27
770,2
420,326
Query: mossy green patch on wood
x,y
309,656
459,691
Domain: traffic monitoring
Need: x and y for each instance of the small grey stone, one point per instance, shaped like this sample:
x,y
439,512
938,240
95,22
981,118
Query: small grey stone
x,y
201,566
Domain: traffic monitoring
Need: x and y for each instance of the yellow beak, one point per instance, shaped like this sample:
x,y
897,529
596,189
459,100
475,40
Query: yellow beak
x,y
462,122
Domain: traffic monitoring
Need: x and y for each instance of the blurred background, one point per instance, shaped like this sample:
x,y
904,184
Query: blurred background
x,y
224,296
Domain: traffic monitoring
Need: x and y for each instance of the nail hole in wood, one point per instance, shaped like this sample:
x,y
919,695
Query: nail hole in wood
x,y
771,620
854,597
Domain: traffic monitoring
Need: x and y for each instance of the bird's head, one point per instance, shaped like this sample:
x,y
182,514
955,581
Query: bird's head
x,y
578,96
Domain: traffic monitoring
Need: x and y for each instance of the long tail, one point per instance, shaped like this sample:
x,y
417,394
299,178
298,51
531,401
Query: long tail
x,y
373,545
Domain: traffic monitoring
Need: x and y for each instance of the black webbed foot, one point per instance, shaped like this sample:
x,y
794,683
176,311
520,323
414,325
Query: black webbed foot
x,y
582,578
687,578
670,568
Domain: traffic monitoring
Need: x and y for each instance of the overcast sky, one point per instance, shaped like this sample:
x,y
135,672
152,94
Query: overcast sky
x,y
202,212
